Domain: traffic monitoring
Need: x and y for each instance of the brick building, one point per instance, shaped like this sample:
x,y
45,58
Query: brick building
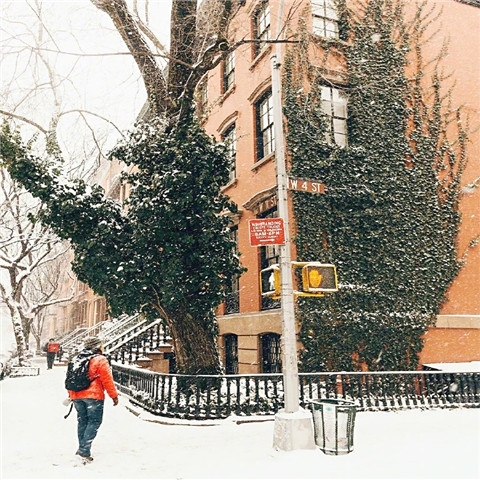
x,y
236,101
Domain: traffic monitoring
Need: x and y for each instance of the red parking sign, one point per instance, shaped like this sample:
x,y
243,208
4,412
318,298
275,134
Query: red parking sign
x,y
266,231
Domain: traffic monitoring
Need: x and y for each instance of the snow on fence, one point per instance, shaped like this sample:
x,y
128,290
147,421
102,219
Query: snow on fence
x,y
215,397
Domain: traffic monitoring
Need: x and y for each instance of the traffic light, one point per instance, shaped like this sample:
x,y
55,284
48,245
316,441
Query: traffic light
x,y
270,281
319,277
314,280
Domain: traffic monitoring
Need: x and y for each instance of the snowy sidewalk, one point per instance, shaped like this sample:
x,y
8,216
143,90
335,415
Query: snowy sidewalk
x,y
37,442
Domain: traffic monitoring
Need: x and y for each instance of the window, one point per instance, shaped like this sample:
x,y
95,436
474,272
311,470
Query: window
x,y
324,18
334,104
81,314
230,140
232,299
269,255
264,125
228,72
261,25
118,191
115,192
100,310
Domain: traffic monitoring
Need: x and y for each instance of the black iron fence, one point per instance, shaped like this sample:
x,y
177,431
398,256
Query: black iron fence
x,y
215,397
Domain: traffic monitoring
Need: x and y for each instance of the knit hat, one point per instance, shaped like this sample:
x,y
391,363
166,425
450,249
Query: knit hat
x,y
93,343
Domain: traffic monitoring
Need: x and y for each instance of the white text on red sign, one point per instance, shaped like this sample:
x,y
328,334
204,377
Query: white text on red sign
x,y
266,231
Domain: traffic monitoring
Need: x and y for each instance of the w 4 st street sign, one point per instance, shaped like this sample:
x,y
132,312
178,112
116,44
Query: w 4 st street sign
x,y
303,185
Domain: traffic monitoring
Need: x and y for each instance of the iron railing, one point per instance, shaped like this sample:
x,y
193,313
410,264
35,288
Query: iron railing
x,y
138,341
216,397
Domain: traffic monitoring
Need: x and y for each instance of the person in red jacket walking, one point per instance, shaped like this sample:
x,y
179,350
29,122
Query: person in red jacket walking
x,y
51,347
89,402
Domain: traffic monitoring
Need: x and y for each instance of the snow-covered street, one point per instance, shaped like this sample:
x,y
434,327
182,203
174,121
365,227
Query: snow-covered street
x,y
37,442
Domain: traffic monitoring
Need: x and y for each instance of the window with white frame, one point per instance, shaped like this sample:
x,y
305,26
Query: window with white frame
x,y
230,140
261,25
228,72
324,18
264,125
334,104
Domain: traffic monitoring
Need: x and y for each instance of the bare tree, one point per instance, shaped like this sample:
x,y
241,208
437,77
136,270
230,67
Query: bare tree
x,y
28,253
198,42
46,102
43,289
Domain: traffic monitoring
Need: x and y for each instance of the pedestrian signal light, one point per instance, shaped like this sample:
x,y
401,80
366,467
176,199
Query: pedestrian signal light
x,y
319,277
270,281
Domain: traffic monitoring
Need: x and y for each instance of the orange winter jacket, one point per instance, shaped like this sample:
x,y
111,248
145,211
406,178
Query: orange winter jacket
x,y
53,347
102,380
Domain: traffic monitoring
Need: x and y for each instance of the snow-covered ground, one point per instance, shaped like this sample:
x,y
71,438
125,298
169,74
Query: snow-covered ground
x,y
37,442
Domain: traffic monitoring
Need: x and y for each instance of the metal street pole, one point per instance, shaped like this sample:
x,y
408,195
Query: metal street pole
x,y
290,365
293,428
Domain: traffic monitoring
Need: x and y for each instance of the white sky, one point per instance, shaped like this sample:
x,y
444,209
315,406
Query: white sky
x,y
37,442
108,85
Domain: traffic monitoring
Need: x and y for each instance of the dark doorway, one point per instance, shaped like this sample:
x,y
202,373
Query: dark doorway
x,y
231,353
271,360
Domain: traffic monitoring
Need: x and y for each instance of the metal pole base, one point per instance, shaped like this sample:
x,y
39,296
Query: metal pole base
x,y
293,431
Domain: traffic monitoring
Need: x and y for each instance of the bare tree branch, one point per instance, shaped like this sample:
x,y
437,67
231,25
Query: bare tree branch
x,y
129,31
23,119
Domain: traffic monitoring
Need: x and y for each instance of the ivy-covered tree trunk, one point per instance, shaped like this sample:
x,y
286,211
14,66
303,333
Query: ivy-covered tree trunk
x,y
387,220
194,344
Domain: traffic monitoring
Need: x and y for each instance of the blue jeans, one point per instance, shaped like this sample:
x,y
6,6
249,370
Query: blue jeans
x,y
50,359
89,418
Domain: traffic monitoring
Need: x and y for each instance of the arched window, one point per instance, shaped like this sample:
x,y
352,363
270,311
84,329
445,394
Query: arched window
x,y
261,27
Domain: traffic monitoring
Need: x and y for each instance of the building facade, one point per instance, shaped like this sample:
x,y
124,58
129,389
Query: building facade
x,y
237,106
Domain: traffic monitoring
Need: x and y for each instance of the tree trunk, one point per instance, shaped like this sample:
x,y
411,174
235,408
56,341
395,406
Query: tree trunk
x,y
171,98
194,343
18,332
182,41
155,85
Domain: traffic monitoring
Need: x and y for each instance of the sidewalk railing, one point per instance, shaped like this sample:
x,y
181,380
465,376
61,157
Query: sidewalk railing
x,y
215,397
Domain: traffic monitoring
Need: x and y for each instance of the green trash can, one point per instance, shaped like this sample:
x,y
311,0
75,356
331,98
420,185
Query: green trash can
x,y
333,424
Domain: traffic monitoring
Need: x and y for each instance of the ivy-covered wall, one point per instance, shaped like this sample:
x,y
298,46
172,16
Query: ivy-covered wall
x,y
389,219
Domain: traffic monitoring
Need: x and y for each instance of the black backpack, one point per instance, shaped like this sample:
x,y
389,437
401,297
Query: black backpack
x,y
77,372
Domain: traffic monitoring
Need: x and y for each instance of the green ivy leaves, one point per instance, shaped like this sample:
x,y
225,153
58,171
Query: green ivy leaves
x,y
386,221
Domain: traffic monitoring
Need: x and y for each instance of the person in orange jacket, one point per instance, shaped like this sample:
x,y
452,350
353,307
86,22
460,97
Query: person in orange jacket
x,y
89,402
51,347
